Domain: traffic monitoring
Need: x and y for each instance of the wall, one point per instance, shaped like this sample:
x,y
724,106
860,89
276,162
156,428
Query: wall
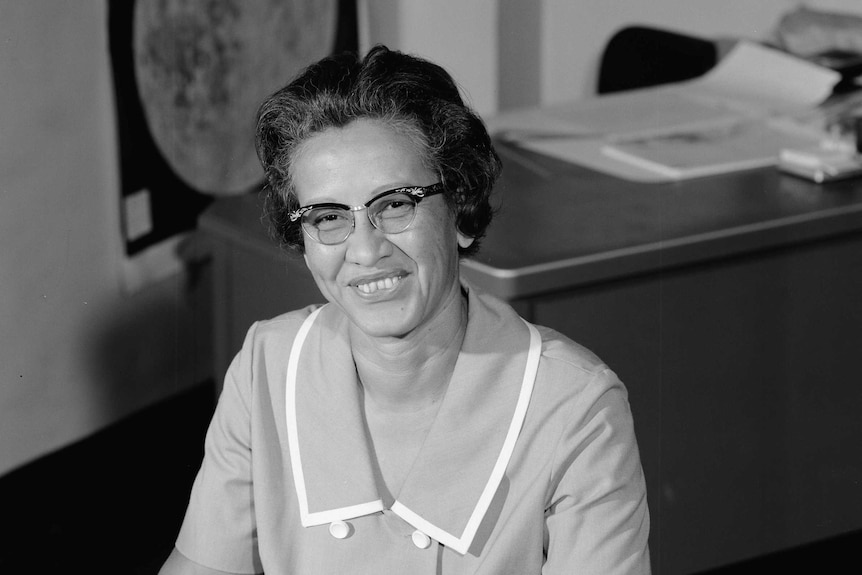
x,y
460,36
76,351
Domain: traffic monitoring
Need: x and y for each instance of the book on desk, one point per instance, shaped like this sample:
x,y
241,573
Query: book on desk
x,y
703,152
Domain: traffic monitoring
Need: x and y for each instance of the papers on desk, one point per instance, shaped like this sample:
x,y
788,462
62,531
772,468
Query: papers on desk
x,y
727,120
760,80
821,164
702,152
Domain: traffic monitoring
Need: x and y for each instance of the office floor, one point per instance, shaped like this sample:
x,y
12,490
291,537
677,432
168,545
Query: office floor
x,y
111,503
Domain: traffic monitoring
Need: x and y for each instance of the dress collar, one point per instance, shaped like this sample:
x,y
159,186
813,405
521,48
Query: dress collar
x,y
459,467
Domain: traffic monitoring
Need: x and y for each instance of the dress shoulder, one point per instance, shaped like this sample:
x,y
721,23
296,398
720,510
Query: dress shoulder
x,y
560,348
281,327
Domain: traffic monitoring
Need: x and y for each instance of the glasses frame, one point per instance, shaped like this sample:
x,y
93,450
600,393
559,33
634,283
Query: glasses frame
x,y
418,193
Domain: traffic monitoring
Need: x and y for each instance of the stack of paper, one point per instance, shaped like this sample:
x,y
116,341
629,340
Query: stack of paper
x,y
729,119
702,152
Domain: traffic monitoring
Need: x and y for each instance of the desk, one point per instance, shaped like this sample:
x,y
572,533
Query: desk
x,y
730,306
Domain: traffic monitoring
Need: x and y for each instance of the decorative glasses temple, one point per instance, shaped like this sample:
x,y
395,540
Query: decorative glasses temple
x,y
418,192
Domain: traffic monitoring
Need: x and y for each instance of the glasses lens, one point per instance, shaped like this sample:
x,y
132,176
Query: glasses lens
x,y
328,225
394,213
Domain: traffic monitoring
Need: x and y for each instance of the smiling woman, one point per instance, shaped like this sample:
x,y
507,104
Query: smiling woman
x,y
389,283
412,424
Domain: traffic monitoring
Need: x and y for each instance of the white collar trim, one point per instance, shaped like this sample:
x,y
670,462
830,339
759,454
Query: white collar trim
x,y
320,517
460,544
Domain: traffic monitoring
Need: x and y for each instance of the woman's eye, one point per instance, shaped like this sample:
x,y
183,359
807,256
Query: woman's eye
x,y
397,204
330,219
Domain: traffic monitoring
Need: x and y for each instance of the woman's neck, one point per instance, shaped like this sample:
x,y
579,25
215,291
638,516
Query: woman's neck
x,y
412,373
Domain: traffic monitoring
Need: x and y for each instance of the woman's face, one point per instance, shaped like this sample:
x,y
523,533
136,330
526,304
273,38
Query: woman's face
x,y
388,285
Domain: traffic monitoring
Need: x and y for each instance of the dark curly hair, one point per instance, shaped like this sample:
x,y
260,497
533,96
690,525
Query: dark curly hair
x,y
412,96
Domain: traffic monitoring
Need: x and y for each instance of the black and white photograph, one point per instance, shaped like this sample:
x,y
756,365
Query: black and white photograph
x,y
443,287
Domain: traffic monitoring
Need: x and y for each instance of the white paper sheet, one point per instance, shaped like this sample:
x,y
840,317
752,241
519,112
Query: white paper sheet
x,y
766,81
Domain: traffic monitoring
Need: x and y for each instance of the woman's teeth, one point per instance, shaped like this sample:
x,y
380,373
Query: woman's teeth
x,y
371,287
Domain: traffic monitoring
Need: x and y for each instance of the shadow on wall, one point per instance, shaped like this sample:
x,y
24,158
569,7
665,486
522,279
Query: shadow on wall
x,y
157,348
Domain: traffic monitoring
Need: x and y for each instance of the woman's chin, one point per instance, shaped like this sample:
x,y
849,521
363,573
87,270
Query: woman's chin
x,y
383,324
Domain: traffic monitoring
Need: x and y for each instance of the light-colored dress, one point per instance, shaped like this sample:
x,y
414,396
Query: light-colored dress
x,y
531,465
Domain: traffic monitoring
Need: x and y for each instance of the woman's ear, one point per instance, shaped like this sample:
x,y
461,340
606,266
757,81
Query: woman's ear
x,y
465,241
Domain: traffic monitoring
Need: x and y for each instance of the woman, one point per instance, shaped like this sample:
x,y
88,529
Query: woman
x,y
412,424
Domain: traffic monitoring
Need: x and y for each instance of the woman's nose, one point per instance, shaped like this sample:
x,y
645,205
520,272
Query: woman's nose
x,y
366,244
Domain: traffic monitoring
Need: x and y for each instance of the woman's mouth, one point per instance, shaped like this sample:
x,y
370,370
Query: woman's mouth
x,y
371,287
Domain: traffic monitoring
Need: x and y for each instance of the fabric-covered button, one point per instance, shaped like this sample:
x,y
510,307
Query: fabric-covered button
x,y
339,529
421,540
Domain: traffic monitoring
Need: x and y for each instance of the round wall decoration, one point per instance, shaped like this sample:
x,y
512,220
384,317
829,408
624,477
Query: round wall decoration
x,y
202,67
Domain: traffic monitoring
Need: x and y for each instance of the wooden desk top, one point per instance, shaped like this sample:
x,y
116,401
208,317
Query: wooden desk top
x,y
561,226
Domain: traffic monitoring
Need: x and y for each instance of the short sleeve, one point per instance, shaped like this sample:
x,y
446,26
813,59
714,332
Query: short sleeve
x,y
219,528
598,520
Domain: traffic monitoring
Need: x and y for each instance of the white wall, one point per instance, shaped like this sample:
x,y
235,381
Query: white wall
x,y
76,352
459,35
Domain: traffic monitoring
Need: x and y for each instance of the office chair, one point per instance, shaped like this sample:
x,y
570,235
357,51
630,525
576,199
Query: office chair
x,y
639,57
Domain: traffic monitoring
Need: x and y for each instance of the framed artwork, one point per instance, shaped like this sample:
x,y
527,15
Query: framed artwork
x,y
188,77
